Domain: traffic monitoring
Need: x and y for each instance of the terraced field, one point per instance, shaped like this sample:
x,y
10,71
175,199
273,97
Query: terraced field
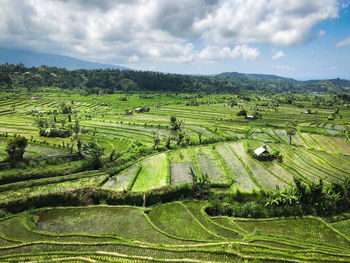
x,y
172,232
214,142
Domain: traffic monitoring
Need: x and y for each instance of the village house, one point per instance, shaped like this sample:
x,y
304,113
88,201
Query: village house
x,y
259,151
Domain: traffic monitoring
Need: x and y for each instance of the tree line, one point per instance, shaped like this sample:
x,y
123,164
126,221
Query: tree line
x,y
124,81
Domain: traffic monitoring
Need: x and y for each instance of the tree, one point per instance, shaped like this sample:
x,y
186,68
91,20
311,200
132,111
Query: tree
x,y
200,184
76,128
66,109
200,137
180,137
175,124
291,130
168,142
16,147
156,142
242,113
79,145
93,153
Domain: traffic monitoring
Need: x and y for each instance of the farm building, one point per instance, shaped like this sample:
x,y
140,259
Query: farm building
x,y
250,117
139,110
35,98
259,151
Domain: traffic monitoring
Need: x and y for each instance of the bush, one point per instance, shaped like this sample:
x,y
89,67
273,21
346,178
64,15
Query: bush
x,y
242,113
16,147
53,132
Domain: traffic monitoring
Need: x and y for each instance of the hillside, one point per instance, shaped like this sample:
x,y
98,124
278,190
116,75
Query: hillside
x,y
252,76
116,80
34,59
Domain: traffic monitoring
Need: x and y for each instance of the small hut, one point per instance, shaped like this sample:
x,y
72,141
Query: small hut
x,y
259,151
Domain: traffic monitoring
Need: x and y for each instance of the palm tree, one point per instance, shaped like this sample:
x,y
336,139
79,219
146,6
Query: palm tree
x,y
291,130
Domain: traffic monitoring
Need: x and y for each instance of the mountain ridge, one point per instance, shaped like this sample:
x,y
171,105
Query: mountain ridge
x,y
36,59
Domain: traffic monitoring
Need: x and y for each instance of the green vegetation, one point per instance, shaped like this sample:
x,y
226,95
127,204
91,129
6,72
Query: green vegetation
x,y
111,169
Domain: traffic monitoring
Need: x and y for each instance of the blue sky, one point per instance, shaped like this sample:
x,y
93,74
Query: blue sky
x,y
303,39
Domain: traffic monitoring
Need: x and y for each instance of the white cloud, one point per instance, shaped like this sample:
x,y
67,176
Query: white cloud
x,y
147,30
312,53
212,53
321,33
278,55
345,42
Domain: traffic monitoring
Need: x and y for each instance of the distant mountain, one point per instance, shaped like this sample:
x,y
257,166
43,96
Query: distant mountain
x,y
251,76
34,59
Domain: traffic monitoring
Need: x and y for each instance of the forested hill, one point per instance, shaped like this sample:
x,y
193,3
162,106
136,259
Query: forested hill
x,y
252,76
111,80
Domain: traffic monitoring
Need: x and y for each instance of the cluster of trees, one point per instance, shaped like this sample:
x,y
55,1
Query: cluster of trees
x,y
48,127
16,148
55,132
266,156
109,81
302,199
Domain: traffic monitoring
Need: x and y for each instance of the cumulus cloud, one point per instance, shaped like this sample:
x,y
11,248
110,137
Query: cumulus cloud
x,y
212,53
345,42
144,30
278,55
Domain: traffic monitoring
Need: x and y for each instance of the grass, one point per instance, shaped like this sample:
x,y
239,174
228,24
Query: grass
x,y
261,175
153,173
181,173
208,164
120,181
241,179
343,227
127,222
92,179
165,228
196,209
307,229
176,220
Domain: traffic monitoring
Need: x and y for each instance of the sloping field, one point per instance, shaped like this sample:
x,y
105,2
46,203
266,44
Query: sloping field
x,y
127,222
343,227
153,173
209,164
311,141
196,209
301,166
239,174
342,144
51,185
180,166
125,234
327,146
308,229
181,173
120,181
260,174
176,220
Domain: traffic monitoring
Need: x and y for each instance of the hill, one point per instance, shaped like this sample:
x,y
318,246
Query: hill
x,y
252,76
34,59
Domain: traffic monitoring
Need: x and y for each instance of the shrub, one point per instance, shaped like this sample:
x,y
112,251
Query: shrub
x,y
54,132
16,147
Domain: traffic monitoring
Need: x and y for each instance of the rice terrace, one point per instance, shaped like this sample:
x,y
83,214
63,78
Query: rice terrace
x,y
169,176
174,156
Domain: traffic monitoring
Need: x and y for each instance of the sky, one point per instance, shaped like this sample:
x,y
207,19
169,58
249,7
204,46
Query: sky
x,y
302,39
